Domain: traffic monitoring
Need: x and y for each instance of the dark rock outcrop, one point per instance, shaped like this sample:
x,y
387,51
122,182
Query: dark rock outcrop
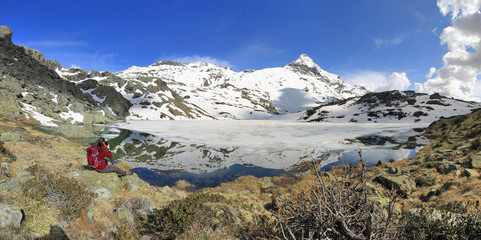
x,y
27,77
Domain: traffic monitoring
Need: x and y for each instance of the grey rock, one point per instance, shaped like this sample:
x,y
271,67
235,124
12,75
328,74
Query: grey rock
x,y
9,105
402,183
95,180
14,185
470,173
77,107
125,214
37,55
143,205
446,167
475,160
103,194
131,182
392,170
62,100
10,216
5,34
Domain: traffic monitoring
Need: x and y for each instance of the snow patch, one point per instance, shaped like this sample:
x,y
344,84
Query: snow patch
x,y
44,120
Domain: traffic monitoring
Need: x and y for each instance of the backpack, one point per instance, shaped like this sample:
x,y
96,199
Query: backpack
x,y
92,157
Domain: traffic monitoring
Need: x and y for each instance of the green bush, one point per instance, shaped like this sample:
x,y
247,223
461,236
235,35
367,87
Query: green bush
x,y
66,194
436,224
175,218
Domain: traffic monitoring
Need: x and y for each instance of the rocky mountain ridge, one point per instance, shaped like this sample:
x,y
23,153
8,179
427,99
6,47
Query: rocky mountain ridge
x,y
390,106
31,89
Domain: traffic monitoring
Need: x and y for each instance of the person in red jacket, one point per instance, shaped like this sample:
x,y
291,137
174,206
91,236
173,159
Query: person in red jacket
x,y
104,151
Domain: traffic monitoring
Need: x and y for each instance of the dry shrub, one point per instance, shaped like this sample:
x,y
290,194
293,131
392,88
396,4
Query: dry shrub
x,y
335,205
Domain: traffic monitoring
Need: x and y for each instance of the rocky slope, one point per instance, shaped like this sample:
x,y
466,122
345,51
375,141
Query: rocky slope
x,y
31,89
390,106
444,174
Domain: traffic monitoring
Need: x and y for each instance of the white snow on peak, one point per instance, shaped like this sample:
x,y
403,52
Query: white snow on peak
x,y
306,60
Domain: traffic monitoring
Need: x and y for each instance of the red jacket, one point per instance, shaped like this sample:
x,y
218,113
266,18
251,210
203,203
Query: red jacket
x,y
103,153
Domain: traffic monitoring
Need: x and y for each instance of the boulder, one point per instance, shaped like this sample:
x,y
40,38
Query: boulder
x,y
125,214
9,106
5,35
77,107
131,182
446,167
402,183
102,194
95,180
62,100
392,170
470,173
143,205
425,180
475,160
10,216
15,184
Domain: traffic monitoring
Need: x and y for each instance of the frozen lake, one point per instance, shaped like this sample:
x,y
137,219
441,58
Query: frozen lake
x,y
206,146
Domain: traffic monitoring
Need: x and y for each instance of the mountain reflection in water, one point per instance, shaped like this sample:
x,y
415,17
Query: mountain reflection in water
x,y
210,179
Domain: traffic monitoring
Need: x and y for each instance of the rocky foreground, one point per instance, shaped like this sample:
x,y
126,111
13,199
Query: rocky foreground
x,y
45,190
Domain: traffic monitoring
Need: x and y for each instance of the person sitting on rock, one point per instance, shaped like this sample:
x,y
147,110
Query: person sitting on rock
x,y
104,151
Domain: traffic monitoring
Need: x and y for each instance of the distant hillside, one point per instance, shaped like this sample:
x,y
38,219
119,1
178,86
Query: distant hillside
x,y
390,106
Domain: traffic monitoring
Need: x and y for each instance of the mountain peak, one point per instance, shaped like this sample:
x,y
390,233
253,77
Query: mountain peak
x,y
305,60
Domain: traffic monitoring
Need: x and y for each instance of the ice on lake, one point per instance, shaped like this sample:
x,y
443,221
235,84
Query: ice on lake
x,y
206,146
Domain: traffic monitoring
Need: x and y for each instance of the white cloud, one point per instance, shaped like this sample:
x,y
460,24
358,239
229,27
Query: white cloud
x,y
55,43
462,64
431,72
418,87
89,61
206,59
388,41
369,79
457,7
75,66
396,81
377,81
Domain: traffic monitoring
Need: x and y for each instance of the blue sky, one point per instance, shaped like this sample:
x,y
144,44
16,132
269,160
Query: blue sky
x,y
364,41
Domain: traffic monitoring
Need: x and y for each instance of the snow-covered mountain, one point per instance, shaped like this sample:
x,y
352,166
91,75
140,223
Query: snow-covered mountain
x,y
390,106
223,93
173,90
